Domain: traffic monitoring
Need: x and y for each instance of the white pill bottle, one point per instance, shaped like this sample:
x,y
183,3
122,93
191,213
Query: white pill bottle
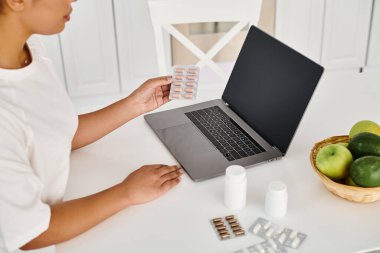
x,y
276,199
235,187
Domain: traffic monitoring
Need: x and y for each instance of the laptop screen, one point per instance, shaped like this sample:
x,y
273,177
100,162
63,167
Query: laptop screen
x,y
270,87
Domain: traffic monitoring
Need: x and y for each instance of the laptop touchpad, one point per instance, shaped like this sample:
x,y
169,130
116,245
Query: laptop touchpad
x,y
185,139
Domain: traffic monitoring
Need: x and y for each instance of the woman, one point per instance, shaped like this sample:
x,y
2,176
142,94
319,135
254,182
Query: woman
x,y
39,128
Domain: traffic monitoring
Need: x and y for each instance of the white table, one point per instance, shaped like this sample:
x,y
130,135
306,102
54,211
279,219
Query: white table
x,y
179,221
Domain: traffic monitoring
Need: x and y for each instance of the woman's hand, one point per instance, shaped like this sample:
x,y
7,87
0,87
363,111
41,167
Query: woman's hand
x,y
149,182
71,218
152,94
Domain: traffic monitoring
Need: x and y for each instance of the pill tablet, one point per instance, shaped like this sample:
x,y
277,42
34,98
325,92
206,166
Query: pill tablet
x,y
224,237
192,77
267,224
218,226
257,228
234,225
216,220
221,228
188,95
179,70
281,239
293,234
280,230
269,232
219,223
260,248
272,243
176,95
176,83
223,231
232,221
179,77
239,232
229,217
296,242
191,83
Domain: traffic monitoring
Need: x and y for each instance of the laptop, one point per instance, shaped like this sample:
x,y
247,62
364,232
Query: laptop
x,y
255,120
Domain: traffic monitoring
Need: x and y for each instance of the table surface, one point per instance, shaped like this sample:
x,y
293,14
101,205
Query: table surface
x,y
179,221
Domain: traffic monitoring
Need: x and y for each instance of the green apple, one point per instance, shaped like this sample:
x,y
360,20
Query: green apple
x,y
344,144
365,126
334,161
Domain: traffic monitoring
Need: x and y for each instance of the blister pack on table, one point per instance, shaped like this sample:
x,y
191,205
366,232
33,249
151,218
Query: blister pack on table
x,y
227,227
284,236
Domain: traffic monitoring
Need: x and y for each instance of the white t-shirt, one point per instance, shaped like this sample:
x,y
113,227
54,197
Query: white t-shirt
x,y
37,125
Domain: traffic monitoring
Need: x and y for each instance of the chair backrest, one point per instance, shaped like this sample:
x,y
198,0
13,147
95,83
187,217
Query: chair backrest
x,y
166,13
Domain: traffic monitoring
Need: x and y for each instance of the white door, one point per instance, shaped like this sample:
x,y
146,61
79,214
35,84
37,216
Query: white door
x,y
89,49
137,52
346,30
299,24
374,43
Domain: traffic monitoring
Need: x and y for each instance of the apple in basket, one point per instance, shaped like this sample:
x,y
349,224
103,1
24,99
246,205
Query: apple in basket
x,y
334,161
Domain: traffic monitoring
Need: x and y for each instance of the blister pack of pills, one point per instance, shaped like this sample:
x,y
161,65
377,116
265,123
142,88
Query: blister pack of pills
x,y
268,246
184,82
227,227
284,236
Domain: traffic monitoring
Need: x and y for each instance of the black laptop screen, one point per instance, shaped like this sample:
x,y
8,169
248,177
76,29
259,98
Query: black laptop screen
x,y
270,87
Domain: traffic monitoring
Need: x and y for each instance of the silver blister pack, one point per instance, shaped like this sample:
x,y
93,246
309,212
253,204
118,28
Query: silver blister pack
x,y
284,236
267,246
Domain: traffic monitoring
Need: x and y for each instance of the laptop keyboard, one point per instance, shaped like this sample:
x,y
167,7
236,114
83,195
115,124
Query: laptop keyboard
x,y
227,136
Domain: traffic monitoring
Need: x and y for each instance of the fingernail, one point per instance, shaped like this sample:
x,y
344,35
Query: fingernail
x,y
169,79
181,171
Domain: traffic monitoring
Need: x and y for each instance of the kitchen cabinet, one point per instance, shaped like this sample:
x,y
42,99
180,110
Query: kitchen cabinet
x,y
136,47
374,40
334,33
299,24
345,35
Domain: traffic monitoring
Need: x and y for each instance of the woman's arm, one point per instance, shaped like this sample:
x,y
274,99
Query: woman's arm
x,y
71,218
149,96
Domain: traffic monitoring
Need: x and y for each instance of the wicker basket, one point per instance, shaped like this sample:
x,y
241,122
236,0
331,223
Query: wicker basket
x,y
351,193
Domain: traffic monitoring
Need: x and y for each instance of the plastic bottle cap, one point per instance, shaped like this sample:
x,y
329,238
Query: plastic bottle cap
x,y
235,173
277,187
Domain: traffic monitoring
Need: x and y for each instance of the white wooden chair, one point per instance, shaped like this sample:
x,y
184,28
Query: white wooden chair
x,y
166,13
